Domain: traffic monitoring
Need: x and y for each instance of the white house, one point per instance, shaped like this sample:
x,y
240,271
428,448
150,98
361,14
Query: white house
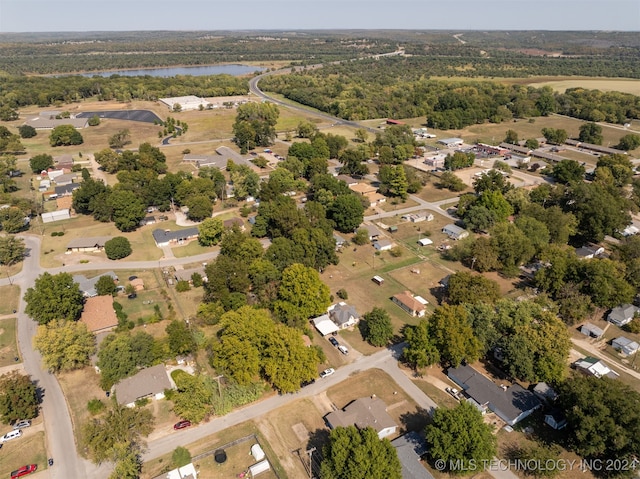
x,y
622,315
625,345
343,315
383,245
324,325
594,367
455,232
148,383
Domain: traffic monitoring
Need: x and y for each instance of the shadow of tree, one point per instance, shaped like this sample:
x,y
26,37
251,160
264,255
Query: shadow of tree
x,y
415,420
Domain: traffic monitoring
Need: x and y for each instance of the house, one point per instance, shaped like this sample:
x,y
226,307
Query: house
x,y
362,188
147,383
148,220
545,392
625,345
65,179
347,179
362,413
49,123
179,237
414,305
556,419
589,251
324,325
623,314
235,221
418,217
410,447
87,245
435,161
591,330
223,155
63,214
189,102
451,142
340,241
630,230
98,314
591,366
383,245
55,174
66,190
510,403
343,315
424,241
455,232
88,285
374,232
186,274
375,198
184,472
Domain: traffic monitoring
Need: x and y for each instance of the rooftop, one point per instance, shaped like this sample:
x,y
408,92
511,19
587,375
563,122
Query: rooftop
x,y
98,313
147,382
363,412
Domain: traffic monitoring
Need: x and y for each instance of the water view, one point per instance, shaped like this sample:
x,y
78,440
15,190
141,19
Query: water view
x,y
166,72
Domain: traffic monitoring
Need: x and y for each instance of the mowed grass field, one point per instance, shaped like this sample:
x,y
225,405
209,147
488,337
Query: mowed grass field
x,y
8,346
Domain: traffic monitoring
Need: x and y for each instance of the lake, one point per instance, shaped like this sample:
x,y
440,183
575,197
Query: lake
x,y
235,70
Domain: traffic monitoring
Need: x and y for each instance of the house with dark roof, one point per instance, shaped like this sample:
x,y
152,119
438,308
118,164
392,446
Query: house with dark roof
x,y
343,315
235,221
148,383
179,237
410,447
362,413
623,314
589,251
66,190
510,403
556,419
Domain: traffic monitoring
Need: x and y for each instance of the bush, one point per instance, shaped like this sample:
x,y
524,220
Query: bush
x,y
117,248
95,406
633,326
342,294
182,286
196,279
395,251
181,456
142,403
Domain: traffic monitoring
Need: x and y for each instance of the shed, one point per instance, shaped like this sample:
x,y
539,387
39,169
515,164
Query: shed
x,y
259,468
257,452
455,232
324,325
383,245
424,241
591,330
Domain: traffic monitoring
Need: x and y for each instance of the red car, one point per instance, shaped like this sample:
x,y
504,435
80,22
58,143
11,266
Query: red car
x,y
181,425
24,470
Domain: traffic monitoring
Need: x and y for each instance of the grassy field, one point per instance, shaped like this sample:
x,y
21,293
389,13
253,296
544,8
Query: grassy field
x,y
11,293
8,345
27,449
603,84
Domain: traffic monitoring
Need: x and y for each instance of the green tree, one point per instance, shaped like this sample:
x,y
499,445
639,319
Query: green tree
x,y
376,327
620,167
532,144
181,456
353,453
467,288
514,248
555,136
459,160
603,417
361,135
27,131
40,162
460,435
451,333
7,113
194,397
591,133
255,125
120,139
128,209
181,340
94,120
65,135
210,231
450,181
65,345
12,250
13,219
511,137
200,207
393,181
54,297
105,286
420,351
302,294
18,397
568,171
347,212
361,237
306,129
627,142
117,248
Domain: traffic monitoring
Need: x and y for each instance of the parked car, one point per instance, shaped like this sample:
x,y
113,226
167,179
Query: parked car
x,y
343,349
132,296
334,341
21,424
327,372
454,392
181,425
24,470
11,435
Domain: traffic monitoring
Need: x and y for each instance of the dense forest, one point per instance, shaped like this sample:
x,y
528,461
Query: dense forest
x,y
400,87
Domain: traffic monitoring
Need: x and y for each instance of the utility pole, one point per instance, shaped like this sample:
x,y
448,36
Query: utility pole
x,y
310,452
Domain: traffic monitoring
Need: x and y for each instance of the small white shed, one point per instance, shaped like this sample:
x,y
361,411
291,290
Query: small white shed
x,y
259,468
424,241
257,452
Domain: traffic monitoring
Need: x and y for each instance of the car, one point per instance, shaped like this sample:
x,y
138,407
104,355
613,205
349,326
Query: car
x,y
334,341
132,296
454,392
327,372
343,349
24,470
181,425
11,435
21,424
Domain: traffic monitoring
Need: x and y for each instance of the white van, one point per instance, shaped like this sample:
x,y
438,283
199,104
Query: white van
x,y
343,349
11,435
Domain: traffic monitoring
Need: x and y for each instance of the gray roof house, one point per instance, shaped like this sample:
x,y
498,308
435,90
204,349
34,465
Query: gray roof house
x,y
66,190
362,413
591,330
410,447
343,314
623,314
149,382
374,232
545,392
166,237
455,232
88,285
556,419
625,345
65,179
512,404
591,366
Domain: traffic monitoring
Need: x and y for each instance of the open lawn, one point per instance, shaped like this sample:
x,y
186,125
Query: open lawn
x,y
11,295
603,84
8,346
433,193
28,449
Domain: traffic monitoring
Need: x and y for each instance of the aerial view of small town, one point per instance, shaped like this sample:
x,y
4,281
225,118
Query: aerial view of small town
x,y
363,254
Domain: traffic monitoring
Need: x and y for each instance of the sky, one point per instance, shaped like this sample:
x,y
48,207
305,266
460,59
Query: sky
x,y
139,15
